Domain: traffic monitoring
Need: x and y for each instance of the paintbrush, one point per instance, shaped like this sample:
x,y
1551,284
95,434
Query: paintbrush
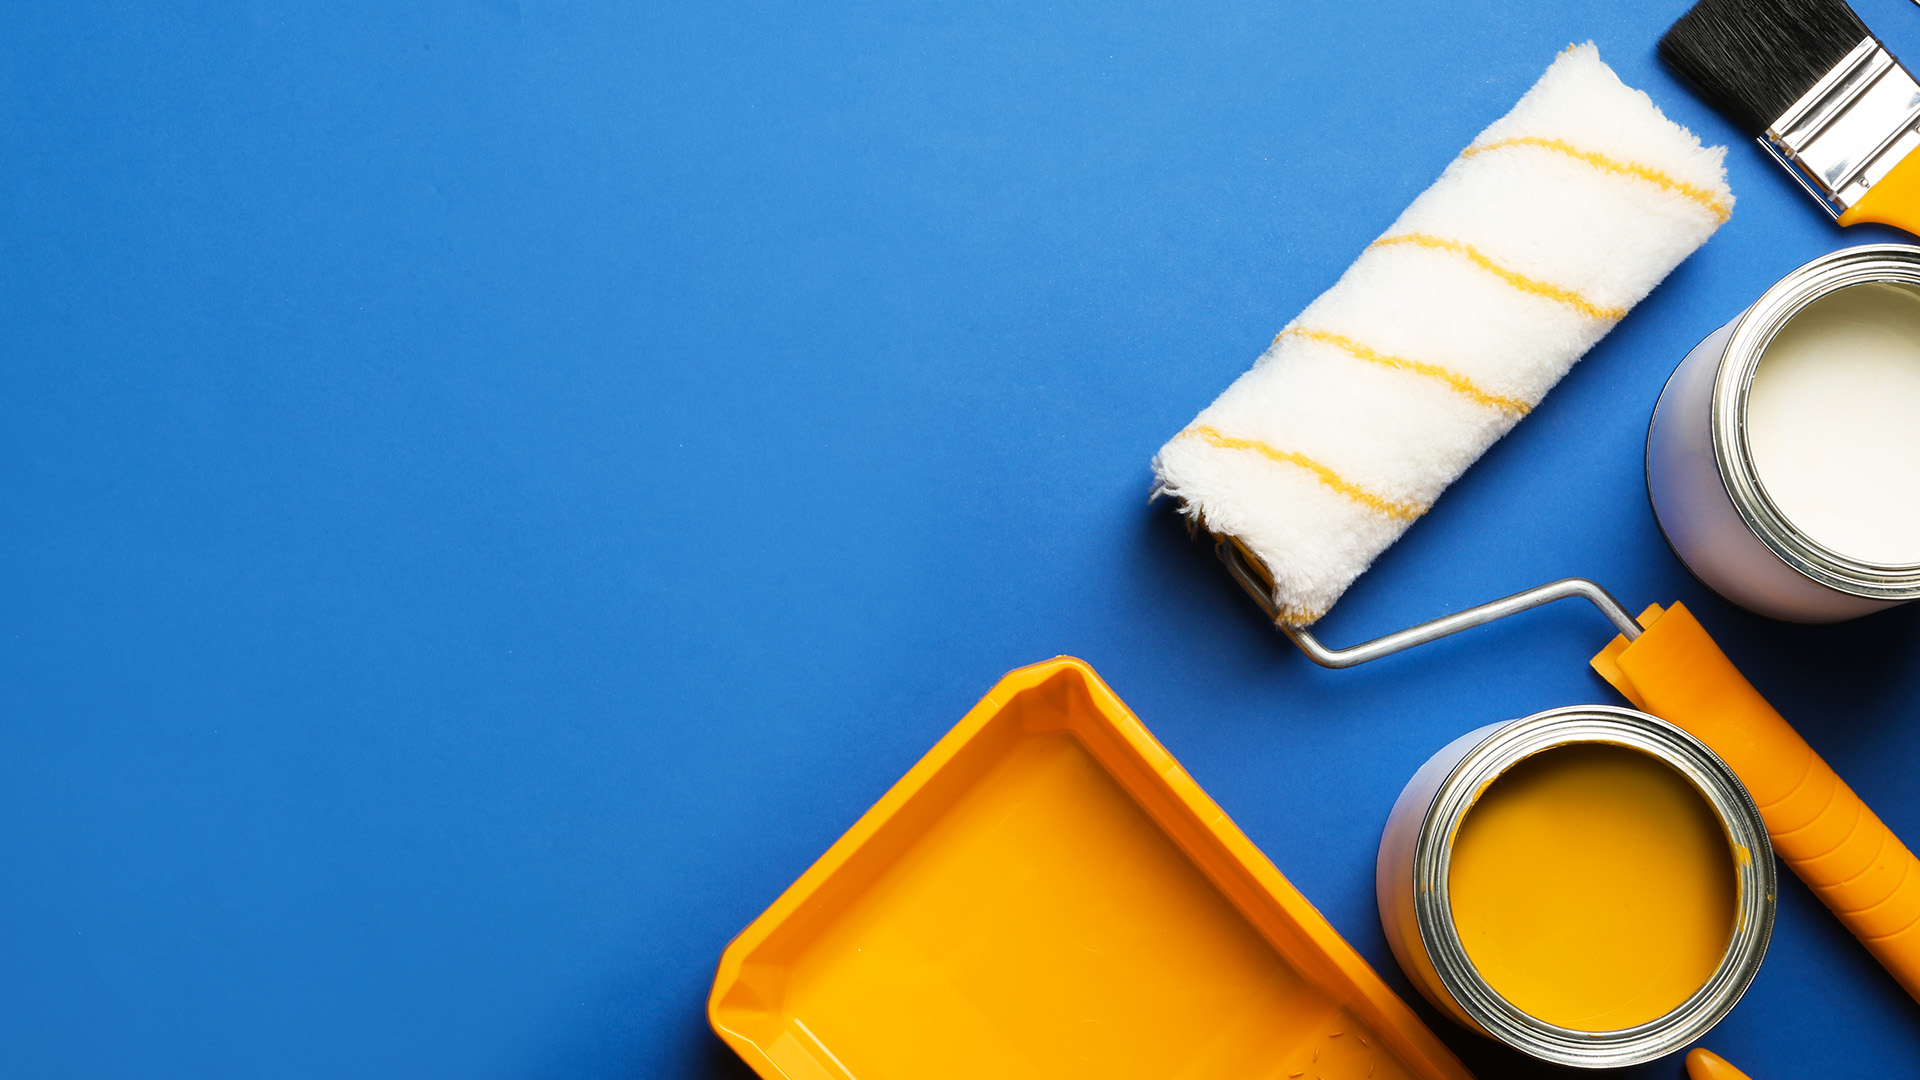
x,y
1819,91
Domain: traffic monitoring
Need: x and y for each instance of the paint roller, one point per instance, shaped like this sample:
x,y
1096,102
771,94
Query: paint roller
x,y
1443,334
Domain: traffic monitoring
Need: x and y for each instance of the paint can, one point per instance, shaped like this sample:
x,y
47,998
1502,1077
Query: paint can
x,y
1415,886
1732,522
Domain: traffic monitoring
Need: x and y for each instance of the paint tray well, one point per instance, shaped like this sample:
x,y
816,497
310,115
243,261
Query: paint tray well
x,y
1048,894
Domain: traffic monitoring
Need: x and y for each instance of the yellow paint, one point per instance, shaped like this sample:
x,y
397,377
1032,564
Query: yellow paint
x,y
1705,198
1819,826
1593,887
1403,511
1047,895
1459,383
1474,255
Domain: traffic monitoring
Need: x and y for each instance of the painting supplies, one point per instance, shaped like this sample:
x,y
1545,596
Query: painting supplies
x,y
1780,458
1446,330
1822,95
1047,894
1314,461
1704,1064
1589,885
1819,827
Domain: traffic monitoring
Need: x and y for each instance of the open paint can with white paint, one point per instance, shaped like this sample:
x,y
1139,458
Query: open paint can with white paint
x,y
1783,459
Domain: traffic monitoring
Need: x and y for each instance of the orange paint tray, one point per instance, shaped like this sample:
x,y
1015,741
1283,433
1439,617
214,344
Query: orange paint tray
x,y
1048,894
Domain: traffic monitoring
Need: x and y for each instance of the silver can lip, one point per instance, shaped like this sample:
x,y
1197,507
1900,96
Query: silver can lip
x,y
1895,264
1754,874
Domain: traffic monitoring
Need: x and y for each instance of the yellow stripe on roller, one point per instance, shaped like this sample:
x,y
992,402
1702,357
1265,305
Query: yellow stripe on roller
x,y
1458,382
1402,511
1302,617
1714,203
1291,616
1519,281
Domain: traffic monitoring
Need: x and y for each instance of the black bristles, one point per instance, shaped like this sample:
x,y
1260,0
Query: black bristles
x,y
1755,58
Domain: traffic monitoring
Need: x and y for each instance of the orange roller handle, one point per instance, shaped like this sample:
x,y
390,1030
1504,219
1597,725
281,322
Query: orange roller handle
x,y
1819,827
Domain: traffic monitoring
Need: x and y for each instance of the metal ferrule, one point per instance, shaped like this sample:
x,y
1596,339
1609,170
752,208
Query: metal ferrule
x,y
1416,858
1858,122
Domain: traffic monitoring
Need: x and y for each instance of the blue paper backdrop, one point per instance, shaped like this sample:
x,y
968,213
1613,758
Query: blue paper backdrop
x,y
490,490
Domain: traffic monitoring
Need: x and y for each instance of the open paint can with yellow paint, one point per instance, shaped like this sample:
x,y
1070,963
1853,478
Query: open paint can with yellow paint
x,y
1590,885
1781,459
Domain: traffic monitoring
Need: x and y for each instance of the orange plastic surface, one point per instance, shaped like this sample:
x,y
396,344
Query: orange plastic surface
x,y
1704,1064
1048,894
1819,827
1894,201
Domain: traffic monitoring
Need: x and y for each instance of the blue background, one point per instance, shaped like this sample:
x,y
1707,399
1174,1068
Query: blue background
x,y
489,491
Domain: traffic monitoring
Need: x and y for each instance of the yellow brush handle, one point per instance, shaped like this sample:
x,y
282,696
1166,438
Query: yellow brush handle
x,y
1894,201
1820,828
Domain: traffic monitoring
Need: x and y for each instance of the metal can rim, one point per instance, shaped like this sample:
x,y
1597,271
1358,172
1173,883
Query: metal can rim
x,y
1753,331
1731,803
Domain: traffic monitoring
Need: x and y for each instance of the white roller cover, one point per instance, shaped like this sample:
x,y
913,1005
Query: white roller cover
x,y
1533,243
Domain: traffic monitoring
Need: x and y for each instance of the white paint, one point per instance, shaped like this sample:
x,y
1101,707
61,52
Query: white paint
x,y
1698,516
1833,422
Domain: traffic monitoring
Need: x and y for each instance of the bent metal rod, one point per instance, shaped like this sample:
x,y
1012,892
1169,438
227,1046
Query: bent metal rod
x,y
1240,566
